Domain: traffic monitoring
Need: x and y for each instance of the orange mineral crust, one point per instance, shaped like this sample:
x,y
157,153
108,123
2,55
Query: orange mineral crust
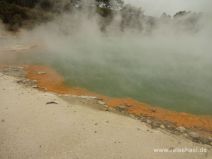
x,y
48,79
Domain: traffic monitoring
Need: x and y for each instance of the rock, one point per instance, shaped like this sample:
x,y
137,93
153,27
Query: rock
x,y
132,116
170,127
155,124
52,102
142,119
35,86
194,135
205,140
148,121
162,126
153,110
41,73
21,81
101,102
106,109
20,67
121,108
86,97
181,129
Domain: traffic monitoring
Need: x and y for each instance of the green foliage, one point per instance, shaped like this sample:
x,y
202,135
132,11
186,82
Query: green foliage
x,y
22,13
132,17
24,3
16,16
12,14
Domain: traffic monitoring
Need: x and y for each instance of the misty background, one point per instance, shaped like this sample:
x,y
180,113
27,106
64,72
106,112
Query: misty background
x,y
143,54
157,7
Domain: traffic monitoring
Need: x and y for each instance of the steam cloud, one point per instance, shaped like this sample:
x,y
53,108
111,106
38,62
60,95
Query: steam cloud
x,y
147,58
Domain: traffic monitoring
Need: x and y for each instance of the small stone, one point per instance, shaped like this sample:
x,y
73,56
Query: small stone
x,y
101,102
148,121
96,124
52,102
41,73
107,121
95,132
106,109
194,135
132,116
181,129
2,120
162,126
142,120
20,81
121,108
34,86
153,110
154,125
205,140
20,67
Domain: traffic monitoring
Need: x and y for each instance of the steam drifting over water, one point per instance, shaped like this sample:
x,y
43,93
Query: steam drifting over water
x,y
164,61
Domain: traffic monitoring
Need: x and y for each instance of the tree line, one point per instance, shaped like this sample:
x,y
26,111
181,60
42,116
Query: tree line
x,y
18,13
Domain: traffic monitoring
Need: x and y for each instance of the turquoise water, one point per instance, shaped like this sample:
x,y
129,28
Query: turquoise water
x,y
159,73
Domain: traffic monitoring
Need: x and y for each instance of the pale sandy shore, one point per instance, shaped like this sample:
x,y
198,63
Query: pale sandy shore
x,y
32,129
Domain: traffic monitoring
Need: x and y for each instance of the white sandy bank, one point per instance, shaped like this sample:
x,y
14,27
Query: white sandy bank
x,y
32,129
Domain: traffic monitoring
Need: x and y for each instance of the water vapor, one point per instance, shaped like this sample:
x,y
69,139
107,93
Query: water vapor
x,y
163,60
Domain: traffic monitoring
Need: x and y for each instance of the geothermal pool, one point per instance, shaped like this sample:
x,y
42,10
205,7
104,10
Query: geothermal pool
x,y
175,74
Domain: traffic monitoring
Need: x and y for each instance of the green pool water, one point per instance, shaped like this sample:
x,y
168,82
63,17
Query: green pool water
x,y
158,72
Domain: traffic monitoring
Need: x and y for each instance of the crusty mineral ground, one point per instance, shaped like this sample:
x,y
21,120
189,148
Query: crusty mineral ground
x,y
52,81
36,124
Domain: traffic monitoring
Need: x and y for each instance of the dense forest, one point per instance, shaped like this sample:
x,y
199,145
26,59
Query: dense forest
x,y
28,13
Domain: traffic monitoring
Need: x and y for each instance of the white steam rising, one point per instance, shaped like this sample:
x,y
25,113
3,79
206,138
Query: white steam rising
x,y
171,56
